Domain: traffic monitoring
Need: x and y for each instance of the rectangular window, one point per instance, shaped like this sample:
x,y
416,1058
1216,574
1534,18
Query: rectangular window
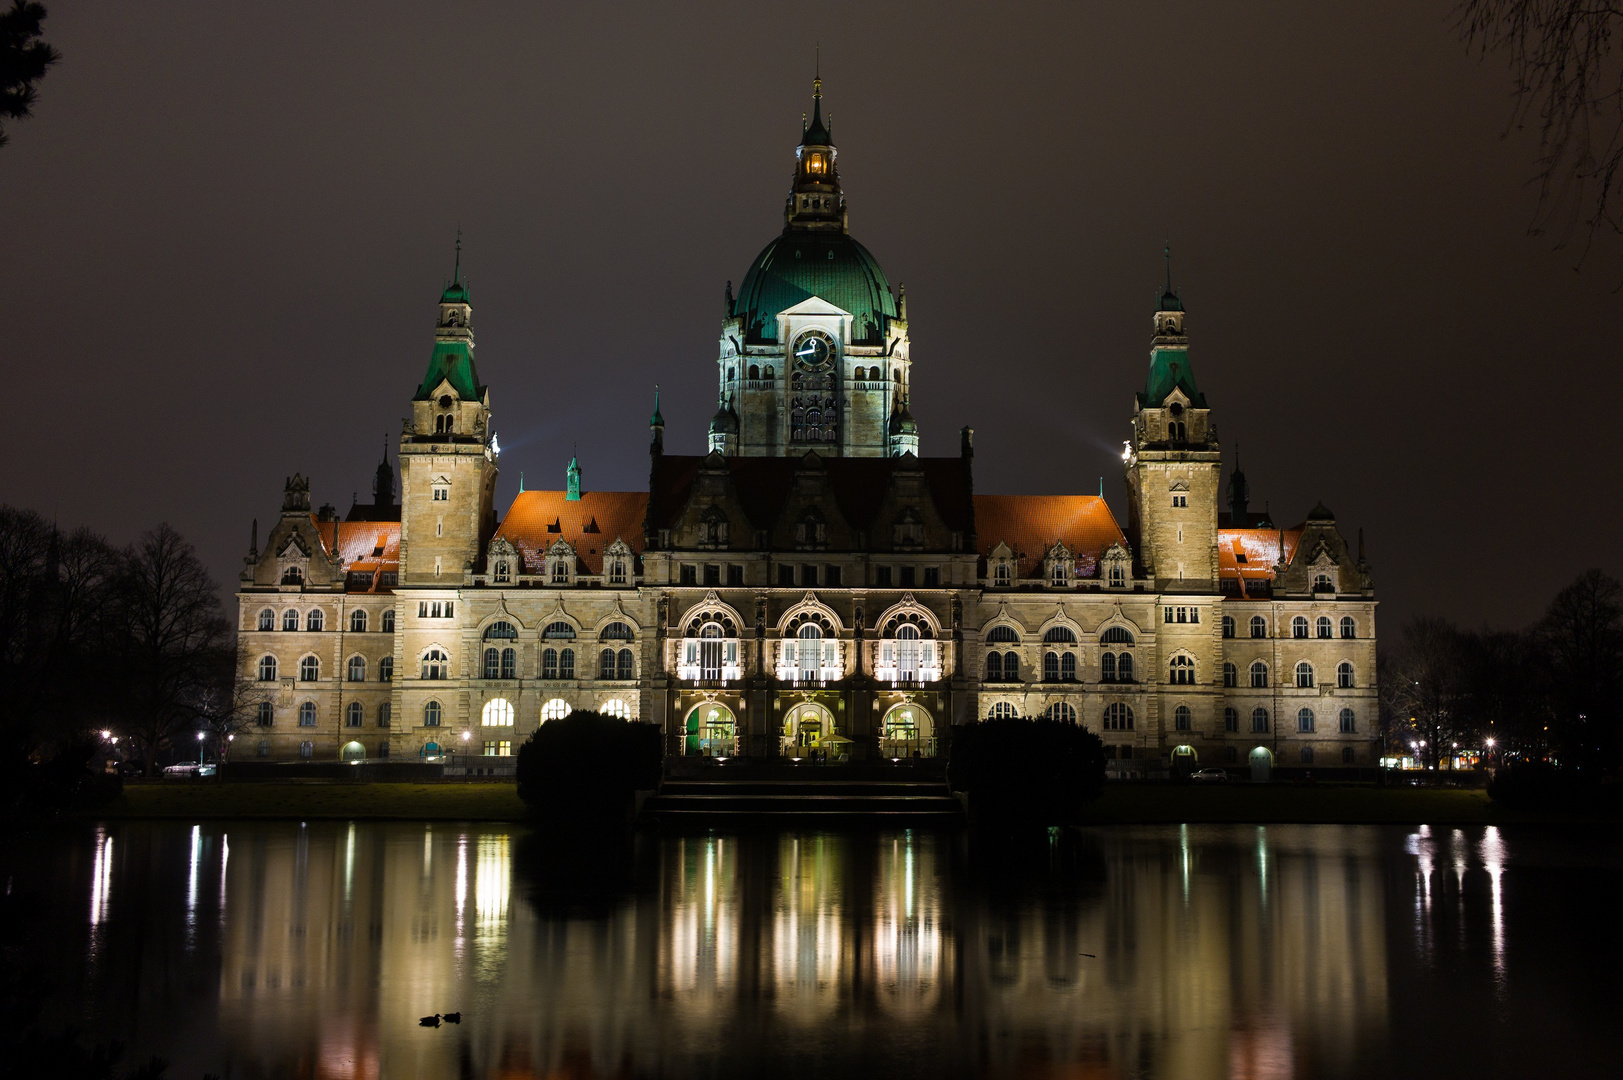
x,y
881,576
735,574
712,574
909,574
932,577
385,714
808,576
786,576
504,748
1194,614
689,574
831,576
490,749
1166,614
442,494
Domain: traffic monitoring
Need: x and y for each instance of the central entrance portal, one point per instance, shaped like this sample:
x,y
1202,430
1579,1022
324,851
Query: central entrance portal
x,y
712,731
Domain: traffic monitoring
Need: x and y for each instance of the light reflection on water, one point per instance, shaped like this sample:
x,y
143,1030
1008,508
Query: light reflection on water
x,y
1187,951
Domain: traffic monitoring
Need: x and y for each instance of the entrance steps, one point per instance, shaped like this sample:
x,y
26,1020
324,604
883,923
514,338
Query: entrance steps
x,y
817,799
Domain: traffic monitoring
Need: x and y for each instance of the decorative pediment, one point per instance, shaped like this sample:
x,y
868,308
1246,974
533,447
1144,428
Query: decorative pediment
x,y
812,307
809,608
293,547
711,609
619,547
1178,485
909,610
1002,551
561,549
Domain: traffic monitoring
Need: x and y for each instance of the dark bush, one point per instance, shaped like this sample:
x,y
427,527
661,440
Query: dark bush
x,y
586,766
1026,771
1537,785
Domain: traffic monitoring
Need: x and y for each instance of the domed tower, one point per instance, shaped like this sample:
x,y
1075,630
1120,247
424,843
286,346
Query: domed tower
x,y
814,347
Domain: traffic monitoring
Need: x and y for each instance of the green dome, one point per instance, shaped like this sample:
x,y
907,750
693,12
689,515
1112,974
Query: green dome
x,y
801,264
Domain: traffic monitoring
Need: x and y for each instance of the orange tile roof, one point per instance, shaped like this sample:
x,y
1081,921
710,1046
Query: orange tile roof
x,y
1030,524
363,546
1251,554
538,519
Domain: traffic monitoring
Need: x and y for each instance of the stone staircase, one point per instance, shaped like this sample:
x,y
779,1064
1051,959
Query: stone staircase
x,y
812,798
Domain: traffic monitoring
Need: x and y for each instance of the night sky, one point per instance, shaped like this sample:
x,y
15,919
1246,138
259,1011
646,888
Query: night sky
x,y
226,227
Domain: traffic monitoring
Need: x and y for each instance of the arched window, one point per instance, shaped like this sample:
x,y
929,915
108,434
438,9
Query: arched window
x,y
811,639
994,666
357,669
1304,674
1062,711
1002,634
1299,626
1228,626
354,714
1107,667
1322,583
1259,626
267,619
754,371
386,669
1231,719
1324,627
1002,710
1067,667
385,715
1259,720
1304,720
501,631
357,621
566,663
1011,667
503,573
290,619
315,620
1349,723
493,663
559,631
556,709
267,669
1231,675
265,714
605,664
431,714
1182,718
1050,667
627,665
498,712
1344,675
1118,717
1001,575
307,714
768,372
1118,575
616,631
293,575
1116,635
549,663
388,621
309,669
1349,628
1059,635
616,708
1181,671
509,663
436,665
1259,674
1124,667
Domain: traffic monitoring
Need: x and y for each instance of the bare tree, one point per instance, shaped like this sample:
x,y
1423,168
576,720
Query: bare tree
x,y
24,60
1582,647
1569,76
1424,686
171,632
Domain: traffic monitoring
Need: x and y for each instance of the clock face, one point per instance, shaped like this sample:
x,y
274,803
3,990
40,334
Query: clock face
x,y
813,350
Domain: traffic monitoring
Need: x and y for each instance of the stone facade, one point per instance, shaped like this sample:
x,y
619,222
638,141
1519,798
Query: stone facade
x,y
811,586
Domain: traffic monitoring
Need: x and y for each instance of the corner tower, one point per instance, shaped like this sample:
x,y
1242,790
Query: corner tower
x,y
814,349
1173,463
447,455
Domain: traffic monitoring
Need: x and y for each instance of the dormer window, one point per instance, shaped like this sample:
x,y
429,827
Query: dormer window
x,y
713,528
908,529
444,424
503,572
811,531
1118,576
1002,575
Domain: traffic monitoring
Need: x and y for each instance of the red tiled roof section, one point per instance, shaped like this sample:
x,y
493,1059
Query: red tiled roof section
x,y
1252,554
364,547
529,523
1030,524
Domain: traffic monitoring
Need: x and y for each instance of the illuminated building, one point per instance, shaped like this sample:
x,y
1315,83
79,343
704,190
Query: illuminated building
x,y
810,585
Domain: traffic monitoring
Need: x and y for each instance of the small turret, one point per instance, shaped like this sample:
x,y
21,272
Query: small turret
x,y
903,429
574,480
724,428
656,426
1239,495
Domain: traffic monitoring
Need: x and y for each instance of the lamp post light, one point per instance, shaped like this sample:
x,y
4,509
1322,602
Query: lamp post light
x,y
200,737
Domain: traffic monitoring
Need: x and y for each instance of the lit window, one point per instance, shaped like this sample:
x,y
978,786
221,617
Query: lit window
x,y
1181,671
556,709
436,665
615,708
498,712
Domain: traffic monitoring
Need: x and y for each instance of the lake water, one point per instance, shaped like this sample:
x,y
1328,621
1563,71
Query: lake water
x,y
281,950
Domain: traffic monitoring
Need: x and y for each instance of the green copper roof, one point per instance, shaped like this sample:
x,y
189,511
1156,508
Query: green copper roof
x,y
1169,368
451,360
801,264
817,133
455,293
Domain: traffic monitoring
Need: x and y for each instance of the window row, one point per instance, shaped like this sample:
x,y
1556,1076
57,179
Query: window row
x,y
316,620
1118,716
1322,627
1305,677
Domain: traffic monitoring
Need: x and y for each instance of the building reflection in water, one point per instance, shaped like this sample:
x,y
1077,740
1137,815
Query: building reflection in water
x,y
1215,952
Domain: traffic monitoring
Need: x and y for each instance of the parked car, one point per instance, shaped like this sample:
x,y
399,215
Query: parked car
x,y
188,770
1209,776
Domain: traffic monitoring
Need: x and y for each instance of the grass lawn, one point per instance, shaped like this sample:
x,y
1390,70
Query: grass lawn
x,y
314,801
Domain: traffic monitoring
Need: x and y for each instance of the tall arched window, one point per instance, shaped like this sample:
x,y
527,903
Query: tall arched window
x,y
431,714
1124,667
388,621
1231,675
436,665
627,665
1181,672
907,653
315,621
309,669
354,714
556,709
267,669
267,619
994,666
1299,626
1182,718
1259,675
1349,723
1002,710
1349,628
1050,667
1304,674
357,669
1067,667
493,663
1259,626
357,621
265,714
1304,720
290,620
811,648
1259,720
549,663
1118,717
1344,675
1107,667
710,650
605,664
1228,626
307,714
386,669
